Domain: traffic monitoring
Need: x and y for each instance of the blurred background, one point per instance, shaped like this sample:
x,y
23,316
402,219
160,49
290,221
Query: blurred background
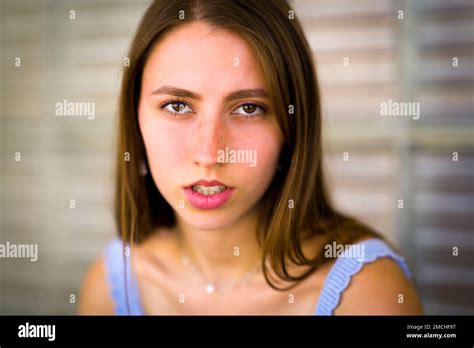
x,y
410,179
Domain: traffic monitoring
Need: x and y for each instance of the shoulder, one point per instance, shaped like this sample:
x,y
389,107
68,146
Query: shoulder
x,y
380,288
94,295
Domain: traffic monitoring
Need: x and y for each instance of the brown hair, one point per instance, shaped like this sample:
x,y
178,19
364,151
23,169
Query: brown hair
x,y
288,68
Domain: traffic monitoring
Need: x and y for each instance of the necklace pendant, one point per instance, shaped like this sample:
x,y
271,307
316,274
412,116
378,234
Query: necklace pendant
x,y
210,288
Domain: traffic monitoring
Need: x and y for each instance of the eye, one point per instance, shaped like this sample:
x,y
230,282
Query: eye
x,y
176,107
251,110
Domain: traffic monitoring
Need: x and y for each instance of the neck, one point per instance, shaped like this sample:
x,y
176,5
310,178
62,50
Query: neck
x,y
224,254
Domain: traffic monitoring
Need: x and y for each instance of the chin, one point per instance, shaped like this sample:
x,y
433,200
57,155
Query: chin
x,y
208,219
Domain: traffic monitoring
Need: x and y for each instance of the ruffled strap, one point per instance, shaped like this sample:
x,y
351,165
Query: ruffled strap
x,y
114,261
349,264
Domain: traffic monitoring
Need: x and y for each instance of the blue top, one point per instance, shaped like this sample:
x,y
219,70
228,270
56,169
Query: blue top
x,y
350,262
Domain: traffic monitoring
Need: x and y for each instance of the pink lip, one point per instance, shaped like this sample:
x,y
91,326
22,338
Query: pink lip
x,y
209,202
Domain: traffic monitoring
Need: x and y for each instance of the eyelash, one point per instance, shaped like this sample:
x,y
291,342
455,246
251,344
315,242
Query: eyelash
x,y
170,101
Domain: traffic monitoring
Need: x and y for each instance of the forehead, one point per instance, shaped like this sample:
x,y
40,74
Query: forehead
x,y
203,58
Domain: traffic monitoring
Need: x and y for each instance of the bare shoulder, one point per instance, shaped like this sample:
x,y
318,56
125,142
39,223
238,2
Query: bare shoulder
x,y
380,288
94,298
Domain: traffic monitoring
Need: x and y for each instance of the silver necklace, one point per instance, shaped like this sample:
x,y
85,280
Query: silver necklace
x,y
211,287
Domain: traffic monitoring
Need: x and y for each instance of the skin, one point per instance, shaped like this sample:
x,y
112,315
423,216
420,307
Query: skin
x,y
181,149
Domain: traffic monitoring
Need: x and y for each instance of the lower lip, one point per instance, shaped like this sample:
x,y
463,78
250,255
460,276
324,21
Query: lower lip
x,y
208,202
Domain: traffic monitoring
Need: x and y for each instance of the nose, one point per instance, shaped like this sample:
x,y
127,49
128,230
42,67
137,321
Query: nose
x,y
210,138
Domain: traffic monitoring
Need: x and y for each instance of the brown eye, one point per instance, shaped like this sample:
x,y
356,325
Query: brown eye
x,y
178,107
249,108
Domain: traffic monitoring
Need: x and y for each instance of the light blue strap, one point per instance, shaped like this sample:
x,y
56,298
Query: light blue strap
x,y
351,263
114,261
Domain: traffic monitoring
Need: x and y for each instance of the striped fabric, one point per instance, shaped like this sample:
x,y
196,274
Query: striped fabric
x,y
115,275
345,267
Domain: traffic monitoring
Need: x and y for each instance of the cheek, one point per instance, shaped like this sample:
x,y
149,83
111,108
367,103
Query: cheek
x,y
164,143
165,149
267,150
267,144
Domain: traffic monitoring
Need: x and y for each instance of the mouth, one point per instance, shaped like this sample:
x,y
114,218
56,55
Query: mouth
x,y
207,195
208,190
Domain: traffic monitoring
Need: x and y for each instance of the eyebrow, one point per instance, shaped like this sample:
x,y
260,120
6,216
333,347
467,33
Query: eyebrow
x,y
240,94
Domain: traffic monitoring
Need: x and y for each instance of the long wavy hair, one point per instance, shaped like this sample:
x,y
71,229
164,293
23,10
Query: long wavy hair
x,y
296,205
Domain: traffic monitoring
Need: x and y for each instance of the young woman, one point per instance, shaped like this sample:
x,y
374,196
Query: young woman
x,y
221,202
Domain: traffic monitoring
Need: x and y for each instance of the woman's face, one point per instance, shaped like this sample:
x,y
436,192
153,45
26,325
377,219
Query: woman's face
x,y
211,138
